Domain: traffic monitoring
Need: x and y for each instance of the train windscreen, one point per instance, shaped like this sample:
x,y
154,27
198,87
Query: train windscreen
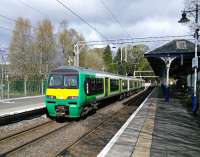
x,y
63,81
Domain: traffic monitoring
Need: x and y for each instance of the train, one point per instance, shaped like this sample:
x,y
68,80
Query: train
x,y
74,91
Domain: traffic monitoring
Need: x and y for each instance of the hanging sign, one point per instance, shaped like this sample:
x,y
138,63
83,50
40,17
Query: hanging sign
x,y
195,62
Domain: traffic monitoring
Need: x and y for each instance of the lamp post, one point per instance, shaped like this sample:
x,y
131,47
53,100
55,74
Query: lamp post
x,y
184,19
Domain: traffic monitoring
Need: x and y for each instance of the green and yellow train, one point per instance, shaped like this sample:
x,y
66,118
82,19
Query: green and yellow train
x,y
74,91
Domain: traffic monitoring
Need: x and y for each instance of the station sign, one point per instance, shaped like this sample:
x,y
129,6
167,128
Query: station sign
x,y
195,62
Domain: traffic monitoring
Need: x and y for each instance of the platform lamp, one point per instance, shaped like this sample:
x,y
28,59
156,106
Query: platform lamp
x,y
184,19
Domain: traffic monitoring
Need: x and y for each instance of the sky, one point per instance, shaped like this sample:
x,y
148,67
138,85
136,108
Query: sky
x,y
138,18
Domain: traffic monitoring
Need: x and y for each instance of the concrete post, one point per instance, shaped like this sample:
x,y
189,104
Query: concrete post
x,y
42,87
2,71
78,53
121,54
126,54
25,91
8,87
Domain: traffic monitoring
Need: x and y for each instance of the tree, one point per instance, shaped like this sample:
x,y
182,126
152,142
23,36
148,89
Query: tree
x,y
119,66
45,46
76,37
65,44
135,60
20,48
107,57
92,58
35,54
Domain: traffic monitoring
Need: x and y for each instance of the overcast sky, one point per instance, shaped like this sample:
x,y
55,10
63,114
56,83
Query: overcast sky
x,y
140,18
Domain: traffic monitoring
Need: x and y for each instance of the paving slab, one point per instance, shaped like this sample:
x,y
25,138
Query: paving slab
x,y
14,106
157,129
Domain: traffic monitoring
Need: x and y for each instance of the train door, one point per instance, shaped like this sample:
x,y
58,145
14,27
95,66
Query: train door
x,y
106,86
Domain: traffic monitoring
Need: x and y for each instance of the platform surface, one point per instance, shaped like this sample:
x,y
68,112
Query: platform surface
x,y
15,106
157,129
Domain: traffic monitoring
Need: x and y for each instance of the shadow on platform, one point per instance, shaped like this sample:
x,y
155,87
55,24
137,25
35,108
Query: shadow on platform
x,y
176,130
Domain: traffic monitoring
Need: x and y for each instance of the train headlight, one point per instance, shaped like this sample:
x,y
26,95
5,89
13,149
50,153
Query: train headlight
x,y
51,97
72,97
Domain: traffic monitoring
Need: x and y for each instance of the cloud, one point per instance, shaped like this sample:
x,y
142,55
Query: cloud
x,y
158,27
140,18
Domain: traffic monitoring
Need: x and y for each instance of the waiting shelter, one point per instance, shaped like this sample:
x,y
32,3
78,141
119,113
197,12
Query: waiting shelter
x,y
173,59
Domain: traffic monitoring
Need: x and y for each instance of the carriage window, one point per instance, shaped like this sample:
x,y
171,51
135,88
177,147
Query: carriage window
x,y
94,86
114,85
135,84
131,84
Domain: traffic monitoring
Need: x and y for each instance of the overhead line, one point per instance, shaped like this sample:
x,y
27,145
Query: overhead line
x,y
115,19
64,5
140,41
8,18
11,19
5,28
150,37
11,30
33,8
82,19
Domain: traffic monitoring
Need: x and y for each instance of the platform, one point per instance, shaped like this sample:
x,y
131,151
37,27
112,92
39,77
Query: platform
x,y
19,105
157,129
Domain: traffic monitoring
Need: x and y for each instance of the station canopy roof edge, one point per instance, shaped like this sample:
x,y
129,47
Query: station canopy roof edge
x,y
182,49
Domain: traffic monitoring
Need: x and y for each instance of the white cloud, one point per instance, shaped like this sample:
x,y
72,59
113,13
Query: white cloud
x,y
139,17
158,27
93,36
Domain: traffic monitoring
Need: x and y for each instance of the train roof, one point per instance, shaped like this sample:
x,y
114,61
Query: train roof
x,y
89,70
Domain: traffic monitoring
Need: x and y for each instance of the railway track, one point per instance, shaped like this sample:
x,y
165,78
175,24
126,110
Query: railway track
x,y
61,139
15,142
68,149
25,130
82,144
19,148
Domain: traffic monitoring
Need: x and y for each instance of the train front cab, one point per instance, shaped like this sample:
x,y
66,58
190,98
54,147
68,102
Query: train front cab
x,y
62,95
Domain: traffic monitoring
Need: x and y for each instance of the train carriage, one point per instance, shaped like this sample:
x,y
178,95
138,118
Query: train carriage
x,y
74,91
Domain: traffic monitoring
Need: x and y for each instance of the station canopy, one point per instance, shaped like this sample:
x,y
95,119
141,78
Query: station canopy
x,y
182,49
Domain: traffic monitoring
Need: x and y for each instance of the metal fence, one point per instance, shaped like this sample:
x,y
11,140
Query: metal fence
x,y
21,88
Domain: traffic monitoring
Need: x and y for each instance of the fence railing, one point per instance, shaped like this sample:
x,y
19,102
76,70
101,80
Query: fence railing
x,y
21,88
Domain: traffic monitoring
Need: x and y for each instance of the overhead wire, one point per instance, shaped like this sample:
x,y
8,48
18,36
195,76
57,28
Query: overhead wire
x,y
137,38
73,12
11,19
114,18
109,40
139,41
106,39
134,40
8,18
33,8
81,18
5,28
